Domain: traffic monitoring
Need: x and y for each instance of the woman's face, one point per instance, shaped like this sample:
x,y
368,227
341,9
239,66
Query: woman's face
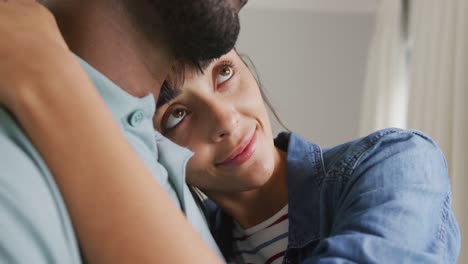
x,y
220,115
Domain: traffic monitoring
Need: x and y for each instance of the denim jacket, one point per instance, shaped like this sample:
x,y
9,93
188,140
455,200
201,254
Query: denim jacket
x,y
384,198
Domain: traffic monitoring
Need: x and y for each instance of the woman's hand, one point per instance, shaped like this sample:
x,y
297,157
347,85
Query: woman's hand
x,y
31,48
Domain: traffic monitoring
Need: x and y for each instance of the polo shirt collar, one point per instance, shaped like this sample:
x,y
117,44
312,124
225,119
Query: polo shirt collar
x,y
119,102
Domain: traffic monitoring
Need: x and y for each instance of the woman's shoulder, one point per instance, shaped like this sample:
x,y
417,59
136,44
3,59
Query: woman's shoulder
x,y
388,187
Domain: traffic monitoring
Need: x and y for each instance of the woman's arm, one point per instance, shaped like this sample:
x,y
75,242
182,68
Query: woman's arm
x,y
118,219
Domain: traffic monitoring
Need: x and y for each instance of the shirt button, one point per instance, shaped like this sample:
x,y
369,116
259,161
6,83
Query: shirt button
x,y
136,118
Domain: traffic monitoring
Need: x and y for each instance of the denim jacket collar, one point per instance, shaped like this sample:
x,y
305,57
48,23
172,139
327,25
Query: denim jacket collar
x,y
305,173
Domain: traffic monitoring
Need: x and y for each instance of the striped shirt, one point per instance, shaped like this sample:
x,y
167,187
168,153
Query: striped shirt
x,y
263,243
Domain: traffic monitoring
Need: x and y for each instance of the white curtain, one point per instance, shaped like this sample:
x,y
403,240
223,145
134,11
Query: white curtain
x,y
433,96
438,94
385,91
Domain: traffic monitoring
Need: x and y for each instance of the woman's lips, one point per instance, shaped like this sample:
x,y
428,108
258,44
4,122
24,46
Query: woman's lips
x,y
242,153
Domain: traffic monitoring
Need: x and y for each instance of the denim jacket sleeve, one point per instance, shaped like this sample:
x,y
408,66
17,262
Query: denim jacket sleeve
x,y
393,205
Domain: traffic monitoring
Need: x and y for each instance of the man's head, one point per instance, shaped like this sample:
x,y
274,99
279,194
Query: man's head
x,y
193,30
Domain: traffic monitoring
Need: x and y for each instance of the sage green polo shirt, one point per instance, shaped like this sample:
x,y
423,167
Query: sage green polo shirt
x,y
34,223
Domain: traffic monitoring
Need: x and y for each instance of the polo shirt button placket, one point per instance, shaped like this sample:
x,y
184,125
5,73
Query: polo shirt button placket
x,y
136,118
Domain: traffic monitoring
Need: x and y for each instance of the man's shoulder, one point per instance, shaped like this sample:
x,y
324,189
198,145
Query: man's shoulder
x,y
17,153
34,223
23,171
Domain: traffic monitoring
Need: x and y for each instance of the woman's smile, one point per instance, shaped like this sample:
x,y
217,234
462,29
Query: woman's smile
x,y
242,153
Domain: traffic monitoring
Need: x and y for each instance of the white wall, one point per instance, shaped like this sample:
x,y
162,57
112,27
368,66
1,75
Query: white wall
x,y
312,63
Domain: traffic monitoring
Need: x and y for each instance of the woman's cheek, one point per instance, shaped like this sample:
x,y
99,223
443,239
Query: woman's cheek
x,y
198,163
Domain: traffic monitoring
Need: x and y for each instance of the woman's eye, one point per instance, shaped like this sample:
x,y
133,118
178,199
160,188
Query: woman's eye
x,y
225,73
174,118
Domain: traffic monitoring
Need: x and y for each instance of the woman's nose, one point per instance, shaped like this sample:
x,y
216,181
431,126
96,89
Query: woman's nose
x,y
225,120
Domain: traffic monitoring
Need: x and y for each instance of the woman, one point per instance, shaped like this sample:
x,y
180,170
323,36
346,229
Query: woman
x,y
383,198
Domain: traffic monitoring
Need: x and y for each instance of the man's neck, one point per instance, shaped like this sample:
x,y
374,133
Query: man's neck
x,y
104,37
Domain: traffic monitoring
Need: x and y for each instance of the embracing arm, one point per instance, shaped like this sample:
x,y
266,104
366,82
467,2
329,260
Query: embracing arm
x,y
118,219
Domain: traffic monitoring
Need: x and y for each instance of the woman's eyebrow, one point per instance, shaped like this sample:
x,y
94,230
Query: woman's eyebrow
x,y
166,94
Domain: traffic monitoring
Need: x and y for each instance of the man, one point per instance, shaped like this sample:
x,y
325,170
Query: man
x,y
126,48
